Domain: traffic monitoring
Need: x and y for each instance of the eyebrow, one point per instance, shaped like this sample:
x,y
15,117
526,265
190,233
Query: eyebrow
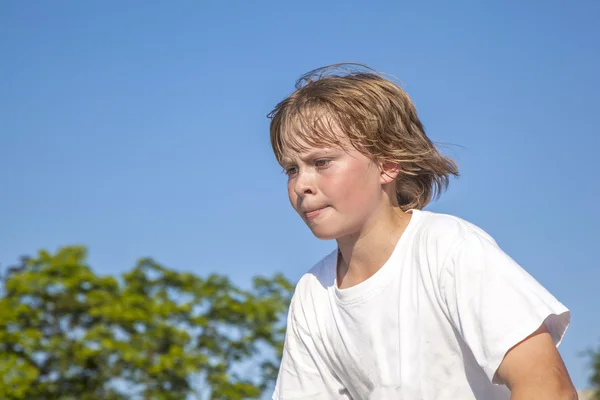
x,y
308,156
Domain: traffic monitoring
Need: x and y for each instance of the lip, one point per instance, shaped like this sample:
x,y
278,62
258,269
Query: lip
x,y
310,215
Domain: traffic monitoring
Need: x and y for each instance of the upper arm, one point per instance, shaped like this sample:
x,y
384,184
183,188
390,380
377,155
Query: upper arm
x,y
534,367
303,374
498,308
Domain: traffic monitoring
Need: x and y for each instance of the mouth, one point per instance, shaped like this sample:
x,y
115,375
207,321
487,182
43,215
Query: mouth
x,y
310,215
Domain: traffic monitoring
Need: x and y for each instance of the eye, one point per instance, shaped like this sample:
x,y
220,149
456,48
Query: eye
x,y
290,171
322,163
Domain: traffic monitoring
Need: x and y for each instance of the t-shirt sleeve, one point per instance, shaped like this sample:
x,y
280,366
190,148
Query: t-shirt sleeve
x,y
302,373
494,303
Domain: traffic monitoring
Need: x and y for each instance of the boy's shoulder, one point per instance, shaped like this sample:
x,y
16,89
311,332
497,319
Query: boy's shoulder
x,y
445,227
312,288
321,275
440,236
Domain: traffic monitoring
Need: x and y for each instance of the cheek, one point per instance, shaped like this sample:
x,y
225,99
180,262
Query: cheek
x,y
355,190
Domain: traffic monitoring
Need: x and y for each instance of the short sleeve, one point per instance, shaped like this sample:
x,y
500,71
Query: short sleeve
x,y
494,303
302,373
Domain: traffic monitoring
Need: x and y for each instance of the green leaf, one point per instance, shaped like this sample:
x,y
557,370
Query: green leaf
x,y
68,333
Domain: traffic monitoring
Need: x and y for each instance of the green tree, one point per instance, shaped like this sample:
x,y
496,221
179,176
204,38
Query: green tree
x,y
595,378
154,333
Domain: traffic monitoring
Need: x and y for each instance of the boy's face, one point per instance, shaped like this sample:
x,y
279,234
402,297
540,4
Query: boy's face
x,y
336,191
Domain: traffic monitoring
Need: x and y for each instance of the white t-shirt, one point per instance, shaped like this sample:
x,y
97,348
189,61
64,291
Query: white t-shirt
x,y
433,323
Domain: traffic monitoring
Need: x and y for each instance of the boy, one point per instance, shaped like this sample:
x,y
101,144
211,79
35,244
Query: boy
x,y
412,304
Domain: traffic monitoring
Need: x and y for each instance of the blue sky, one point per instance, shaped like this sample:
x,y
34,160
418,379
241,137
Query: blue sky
x,y
140,129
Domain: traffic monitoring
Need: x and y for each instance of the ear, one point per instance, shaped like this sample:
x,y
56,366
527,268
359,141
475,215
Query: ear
x,y
389,171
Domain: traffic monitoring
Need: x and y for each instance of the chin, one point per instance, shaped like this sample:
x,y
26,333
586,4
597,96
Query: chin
x,y
324,233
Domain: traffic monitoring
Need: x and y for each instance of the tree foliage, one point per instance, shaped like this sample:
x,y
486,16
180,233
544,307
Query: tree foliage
x,y
595,377
154,333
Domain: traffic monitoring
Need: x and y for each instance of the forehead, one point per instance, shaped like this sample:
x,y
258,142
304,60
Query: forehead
x,y
294,145
299,134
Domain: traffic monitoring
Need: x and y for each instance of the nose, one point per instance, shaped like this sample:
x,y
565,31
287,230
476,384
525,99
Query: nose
x,y
304,184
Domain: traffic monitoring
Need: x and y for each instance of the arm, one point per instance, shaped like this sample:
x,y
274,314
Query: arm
x,y
511,323
534,369
303,375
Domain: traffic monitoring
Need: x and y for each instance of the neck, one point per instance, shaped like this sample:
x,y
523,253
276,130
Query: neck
x,y
364,253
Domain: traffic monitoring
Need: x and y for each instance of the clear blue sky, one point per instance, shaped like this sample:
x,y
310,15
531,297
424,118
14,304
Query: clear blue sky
x,y
141,129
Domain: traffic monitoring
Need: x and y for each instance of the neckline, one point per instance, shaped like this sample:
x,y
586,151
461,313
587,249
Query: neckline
x,y
380,278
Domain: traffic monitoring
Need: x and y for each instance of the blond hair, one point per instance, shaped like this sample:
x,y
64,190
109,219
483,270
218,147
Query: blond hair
x,y
377,116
